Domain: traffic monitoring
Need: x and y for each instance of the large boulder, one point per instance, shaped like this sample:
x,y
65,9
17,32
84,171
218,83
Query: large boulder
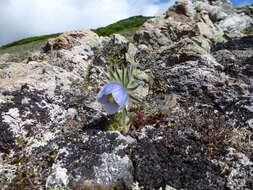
x,y
68,40
185,18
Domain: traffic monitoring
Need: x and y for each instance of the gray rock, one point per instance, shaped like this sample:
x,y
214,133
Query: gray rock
x,y
241,171
131,53
208,18
57,177
235,23
119,39
4,58
70,39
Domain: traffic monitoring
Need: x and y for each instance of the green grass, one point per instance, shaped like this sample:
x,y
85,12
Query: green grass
x,y
20,52
29,40
127,25
248,10
247,6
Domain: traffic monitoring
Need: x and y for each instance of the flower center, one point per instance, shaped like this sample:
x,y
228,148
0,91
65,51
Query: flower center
x,y
111,99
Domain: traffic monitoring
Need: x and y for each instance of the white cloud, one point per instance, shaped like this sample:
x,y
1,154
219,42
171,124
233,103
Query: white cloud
x,y
23,18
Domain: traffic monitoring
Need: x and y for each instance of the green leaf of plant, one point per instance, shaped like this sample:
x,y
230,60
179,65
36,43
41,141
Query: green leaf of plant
x,y
135,99
123,76
117,73
128,78
132,68
112,75
108,77
133,88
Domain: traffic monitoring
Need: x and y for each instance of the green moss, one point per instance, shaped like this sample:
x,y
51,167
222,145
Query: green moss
x,y
23,180
8,99
222,38
21,141
202,42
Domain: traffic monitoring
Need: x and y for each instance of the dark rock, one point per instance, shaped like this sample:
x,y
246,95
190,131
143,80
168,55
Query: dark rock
x,y
173,157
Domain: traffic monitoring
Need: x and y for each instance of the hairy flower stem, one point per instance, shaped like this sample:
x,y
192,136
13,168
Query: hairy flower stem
x,y
124,120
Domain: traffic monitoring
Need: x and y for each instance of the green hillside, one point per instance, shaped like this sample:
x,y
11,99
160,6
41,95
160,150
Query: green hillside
x,y
248,10
29,40
20,49
124,27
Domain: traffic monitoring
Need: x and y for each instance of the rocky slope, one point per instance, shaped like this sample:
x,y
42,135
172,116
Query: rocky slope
x,y
193,129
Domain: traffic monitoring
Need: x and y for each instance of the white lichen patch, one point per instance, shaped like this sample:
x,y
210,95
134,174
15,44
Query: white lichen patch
x,y
57,177
12,117
16,121
240,167
127,139
62,151
250,108
57,114
142,134
136,186
113,167
168,188
25,100
7,173
42,141
250,123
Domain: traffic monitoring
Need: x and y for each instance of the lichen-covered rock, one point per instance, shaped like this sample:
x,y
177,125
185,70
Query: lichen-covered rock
x,y
177,160
68,40
236,24
248,10
186,18
222,81
192,131
240,176
4,58
91,160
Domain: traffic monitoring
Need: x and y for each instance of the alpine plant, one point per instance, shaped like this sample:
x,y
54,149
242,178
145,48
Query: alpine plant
x,y
117,92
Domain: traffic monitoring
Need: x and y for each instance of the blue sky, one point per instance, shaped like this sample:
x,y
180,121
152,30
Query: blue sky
x,y
24,18
241,2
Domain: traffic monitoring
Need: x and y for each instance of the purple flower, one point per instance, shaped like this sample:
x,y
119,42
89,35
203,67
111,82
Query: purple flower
x,y
114,96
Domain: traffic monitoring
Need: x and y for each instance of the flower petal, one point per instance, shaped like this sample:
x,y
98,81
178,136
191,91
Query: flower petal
x,y
120,96
118,93
111,108
108,88
102,99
